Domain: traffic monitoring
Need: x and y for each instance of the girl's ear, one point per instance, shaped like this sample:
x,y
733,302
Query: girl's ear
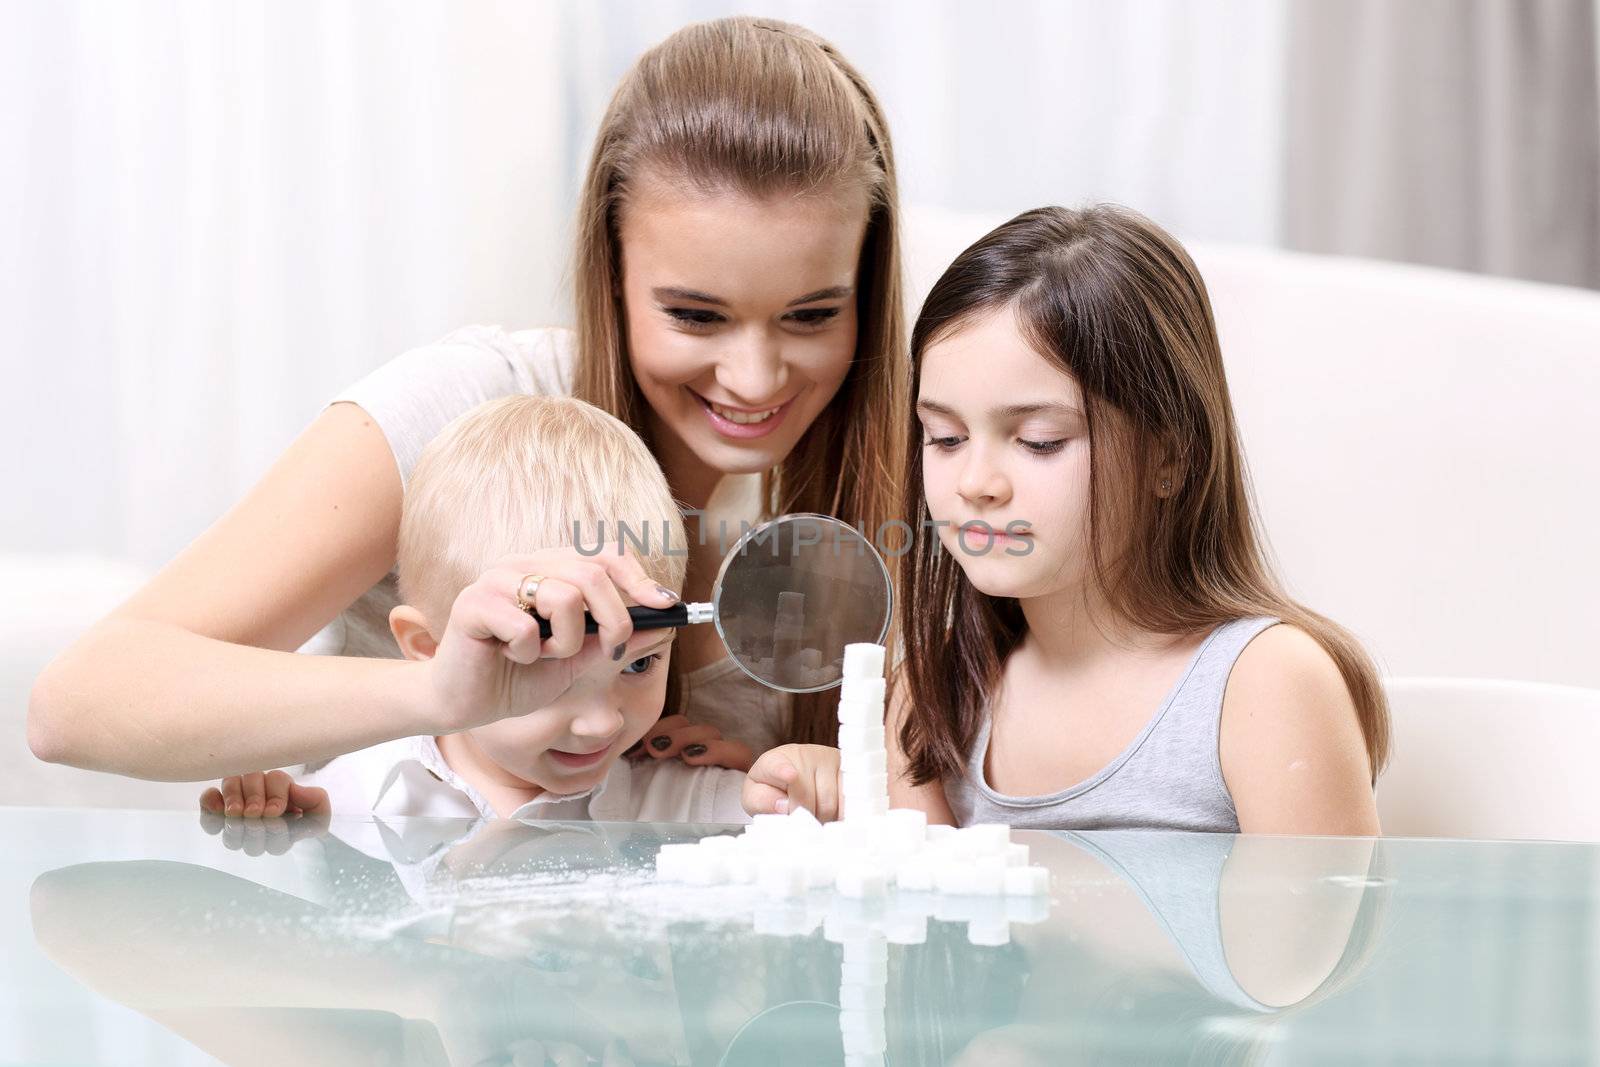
x,y
410,631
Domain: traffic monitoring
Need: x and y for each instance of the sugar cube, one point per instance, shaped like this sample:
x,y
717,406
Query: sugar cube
x,y
1027,910
862,997
853,762
865,808
866,786
863,661
954,879
780,879
706,868
1026,881
864,1048
860,1022
673,861
861,736
863,972
988,933
869,948
863,689
859,880
915,876
906,928
984,839
860,711
909,822
1016,855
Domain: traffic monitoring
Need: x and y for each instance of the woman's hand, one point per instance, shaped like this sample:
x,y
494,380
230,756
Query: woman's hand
x,y
491,662
794,776
697,744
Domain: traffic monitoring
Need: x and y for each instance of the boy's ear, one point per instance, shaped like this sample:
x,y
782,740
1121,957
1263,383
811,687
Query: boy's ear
x,y
410,631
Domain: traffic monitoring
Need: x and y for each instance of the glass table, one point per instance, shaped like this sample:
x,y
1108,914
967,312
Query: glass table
x,y
170,938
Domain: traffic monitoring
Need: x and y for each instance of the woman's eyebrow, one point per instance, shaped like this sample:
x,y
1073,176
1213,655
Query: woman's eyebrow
x,y
672,292
837,292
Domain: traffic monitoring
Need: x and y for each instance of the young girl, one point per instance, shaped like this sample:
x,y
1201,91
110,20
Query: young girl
x,y
738,306
1094,638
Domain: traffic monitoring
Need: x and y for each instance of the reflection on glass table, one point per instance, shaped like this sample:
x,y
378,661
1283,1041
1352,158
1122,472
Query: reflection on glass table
x,y
451,942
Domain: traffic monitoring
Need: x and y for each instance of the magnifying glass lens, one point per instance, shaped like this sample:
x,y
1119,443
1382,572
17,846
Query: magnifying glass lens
x,y
796,591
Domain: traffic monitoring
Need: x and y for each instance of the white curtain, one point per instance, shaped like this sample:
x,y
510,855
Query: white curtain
x,y
1456,133
219,213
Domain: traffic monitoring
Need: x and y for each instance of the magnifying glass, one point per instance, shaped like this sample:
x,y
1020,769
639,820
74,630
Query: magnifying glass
x,y
789,596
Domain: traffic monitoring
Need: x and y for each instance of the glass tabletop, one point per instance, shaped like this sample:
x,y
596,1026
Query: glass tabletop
x,y
168,938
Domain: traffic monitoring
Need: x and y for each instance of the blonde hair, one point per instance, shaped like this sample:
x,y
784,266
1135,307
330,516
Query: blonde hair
x,y
757,107
524,473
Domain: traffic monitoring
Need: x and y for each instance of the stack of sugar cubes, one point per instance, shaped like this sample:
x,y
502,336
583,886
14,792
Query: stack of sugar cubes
x,y
872,848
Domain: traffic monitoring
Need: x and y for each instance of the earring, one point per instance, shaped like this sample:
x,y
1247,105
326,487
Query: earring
x,y
1166,485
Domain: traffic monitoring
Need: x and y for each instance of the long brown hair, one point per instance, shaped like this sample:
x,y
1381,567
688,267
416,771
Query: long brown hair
x,y
757,107
1107,296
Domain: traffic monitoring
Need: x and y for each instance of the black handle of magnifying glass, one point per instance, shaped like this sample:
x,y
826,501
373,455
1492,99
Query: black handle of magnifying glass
x,y
643,619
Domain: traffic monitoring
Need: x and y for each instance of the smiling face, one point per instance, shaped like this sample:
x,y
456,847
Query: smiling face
x,y
1005,444
740,318
570,746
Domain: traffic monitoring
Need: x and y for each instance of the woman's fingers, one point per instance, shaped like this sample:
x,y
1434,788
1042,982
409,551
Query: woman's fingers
x,y
720,753
692,740
562,604
659,737
602,600
211,801
277,785
232,796
484,612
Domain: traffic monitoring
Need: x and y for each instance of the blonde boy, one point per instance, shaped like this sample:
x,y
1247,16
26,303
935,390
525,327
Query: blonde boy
x,y
514,477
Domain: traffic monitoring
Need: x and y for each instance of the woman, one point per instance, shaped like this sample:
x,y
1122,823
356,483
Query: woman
x,y
738,305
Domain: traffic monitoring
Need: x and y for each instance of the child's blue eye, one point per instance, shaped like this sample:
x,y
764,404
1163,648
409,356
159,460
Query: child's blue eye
x,y
1044,448
642,666
942,442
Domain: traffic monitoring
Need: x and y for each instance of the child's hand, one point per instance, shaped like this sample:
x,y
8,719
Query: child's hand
x,y
794,776
264,796
697,743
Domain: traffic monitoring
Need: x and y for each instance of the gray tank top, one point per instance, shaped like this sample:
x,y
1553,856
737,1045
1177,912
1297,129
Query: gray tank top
x,y
1168,778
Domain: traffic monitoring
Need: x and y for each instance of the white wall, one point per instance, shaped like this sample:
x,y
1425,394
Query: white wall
x,y
225,212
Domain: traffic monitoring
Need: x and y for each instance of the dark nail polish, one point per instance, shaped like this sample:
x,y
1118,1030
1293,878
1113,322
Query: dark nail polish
x,y
661,744
616,653
669,594
694,750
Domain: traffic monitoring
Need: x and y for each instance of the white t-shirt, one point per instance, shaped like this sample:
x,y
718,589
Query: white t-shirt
x,y
410,777
416,395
